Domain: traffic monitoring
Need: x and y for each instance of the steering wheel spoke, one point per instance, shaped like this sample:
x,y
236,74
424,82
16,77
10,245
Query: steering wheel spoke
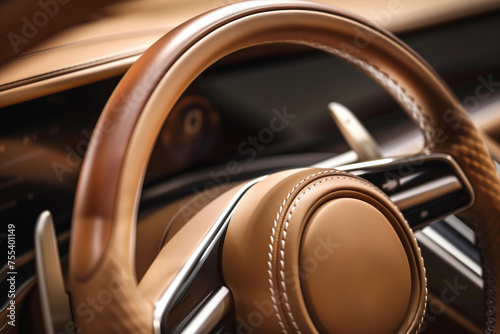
x,y
425,187
197,247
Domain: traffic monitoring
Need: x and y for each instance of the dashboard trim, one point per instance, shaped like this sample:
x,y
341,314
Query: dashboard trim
x,y
66,80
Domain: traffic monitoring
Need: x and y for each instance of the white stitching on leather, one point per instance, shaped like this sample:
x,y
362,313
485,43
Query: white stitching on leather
x,y
283,243
270,255
281,251
425,278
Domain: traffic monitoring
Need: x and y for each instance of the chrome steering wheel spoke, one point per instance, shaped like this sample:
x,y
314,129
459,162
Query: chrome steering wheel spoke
x,y
425,187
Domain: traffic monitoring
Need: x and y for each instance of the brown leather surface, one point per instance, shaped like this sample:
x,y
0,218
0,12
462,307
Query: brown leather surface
x,y
370,279
151,231
95,50
160,226
111,177
25,23
176,252
493,146
357,257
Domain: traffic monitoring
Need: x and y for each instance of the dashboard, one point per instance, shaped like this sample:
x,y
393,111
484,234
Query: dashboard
x,y
260,110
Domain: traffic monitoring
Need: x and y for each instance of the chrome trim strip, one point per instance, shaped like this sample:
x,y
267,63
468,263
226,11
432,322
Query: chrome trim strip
x,y
450,255
215,232
451,249
461,228
426,192
385,162
217,307
54,301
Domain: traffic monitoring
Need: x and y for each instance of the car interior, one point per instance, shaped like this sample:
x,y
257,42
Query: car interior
x,y
262,166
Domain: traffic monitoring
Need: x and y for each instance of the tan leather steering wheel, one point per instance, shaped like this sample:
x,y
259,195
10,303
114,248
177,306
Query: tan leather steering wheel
x,y
104,219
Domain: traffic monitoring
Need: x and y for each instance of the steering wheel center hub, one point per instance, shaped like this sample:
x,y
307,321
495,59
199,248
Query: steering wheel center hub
x,y
322,251
361,282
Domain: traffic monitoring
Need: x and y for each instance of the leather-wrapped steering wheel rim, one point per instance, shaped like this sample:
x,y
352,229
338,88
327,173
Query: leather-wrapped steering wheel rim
x,y
106,204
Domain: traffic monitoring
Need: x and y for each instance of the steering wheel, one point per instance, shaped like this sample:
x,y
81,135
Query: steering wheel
x,y
277,222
